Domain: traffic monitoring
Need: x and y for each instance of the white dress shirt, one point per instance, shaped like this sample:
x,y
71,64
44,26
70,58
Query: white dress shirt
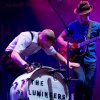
x,y
26,46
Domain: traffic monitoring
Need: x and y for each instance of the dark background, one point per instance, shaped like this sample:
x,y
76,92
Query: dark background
x,y
35,15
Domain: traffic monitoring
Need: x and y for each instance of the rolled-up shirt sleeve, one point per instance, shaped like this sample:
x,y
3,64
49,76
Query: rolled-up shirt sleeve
x,y
50,51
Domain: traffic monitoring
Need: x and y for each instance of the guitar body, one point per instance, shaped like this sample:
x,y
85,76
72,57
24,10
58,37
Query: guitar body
x,y
72,53
77,52
79,49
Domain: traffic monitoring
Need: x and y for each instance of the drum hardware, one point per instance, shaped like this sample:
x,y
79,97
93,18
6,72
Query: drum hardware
x,y
36,65
69,79
66,80
56,70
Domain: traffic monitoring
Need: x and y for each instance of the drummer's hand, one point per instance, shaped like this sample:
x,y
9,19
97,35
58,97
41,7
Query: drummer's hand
x,y
73,65
29,68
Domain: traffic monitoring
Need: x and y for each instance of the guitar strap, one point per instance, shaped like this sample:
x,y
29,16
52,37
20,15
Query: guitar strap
x,y
89,30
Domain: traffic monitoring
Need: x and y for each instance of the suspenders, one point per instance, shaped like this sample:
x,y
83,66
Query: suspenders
x,y
31,34
32,38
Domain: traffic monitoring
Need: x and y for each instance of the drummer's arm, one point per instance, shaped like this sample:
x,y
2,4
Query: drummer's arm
x,y
17,59
60,58
63,61
20,62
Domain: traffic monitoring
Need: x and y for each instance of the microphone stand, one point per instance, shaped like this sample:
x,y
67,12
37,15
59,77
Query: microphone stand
x,y
67,67
68,77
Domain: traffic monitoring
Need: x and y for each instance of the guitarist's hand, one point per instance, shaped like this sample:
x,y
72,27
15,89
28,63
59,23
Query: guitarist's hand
x,y
73,65
73,46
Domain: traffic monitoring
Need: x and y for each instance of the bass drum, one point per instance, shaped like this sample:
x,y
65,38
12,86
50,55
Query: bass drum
x,y
41,84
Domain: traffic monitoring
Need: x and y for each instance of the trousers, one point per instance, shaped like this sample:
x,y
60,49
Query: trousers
x,y
9,73
85,74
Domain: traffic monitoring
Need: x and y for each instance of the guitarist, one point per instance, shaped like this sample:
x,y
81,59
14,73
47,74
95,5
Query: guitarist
x,y
78,31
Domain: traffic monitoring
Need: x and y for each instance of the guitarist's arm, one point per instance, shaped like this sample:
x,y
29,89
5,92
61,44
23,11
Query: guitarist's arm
x,y
61,39
62,42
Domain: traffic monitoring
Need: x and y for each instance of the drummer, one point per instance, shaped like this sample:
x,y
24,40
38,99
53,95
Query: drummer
x,y
24,45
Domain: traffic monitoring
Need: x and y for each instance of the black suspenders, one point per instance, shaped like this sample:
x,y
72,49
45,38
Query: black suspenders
x,y
31,35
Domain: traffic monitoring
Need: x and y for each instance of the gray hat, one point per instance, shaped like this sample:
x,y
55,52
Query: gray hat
x,y
83,8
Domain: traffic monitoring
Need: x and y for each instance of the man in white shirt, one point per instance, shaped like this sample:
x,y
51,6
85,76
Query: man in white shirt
x,y
26,44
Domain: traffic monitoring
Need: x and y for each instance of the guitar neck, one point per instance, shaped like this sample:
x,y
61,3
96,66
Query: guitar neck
x,y
88,41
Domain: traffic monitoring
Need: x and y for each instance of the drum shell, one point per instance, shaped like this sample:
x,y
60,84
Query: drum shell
x,y
21,86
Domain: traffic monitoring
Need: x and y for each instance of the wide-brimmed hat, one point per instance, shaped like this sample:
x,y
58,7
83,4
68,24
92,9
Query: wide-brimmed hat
x,y
83,8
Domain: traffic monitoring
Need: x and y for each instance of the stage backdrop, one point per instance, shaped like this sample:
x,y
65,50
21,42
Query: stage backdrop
x,y
35,15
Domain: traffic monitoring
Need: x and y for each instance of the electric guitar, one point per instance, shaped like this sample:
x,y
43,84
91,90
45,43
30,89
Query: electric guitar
x,y
79,48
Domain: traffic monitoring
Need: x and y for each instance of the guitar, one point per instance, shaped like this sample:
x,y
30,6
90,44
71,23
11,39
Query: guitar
x,y
80,48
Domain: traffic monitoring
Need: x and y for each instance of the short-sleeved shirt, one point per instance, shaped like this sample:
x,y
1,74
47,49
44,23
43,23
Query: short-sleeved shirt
x,y
78,32
25,45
